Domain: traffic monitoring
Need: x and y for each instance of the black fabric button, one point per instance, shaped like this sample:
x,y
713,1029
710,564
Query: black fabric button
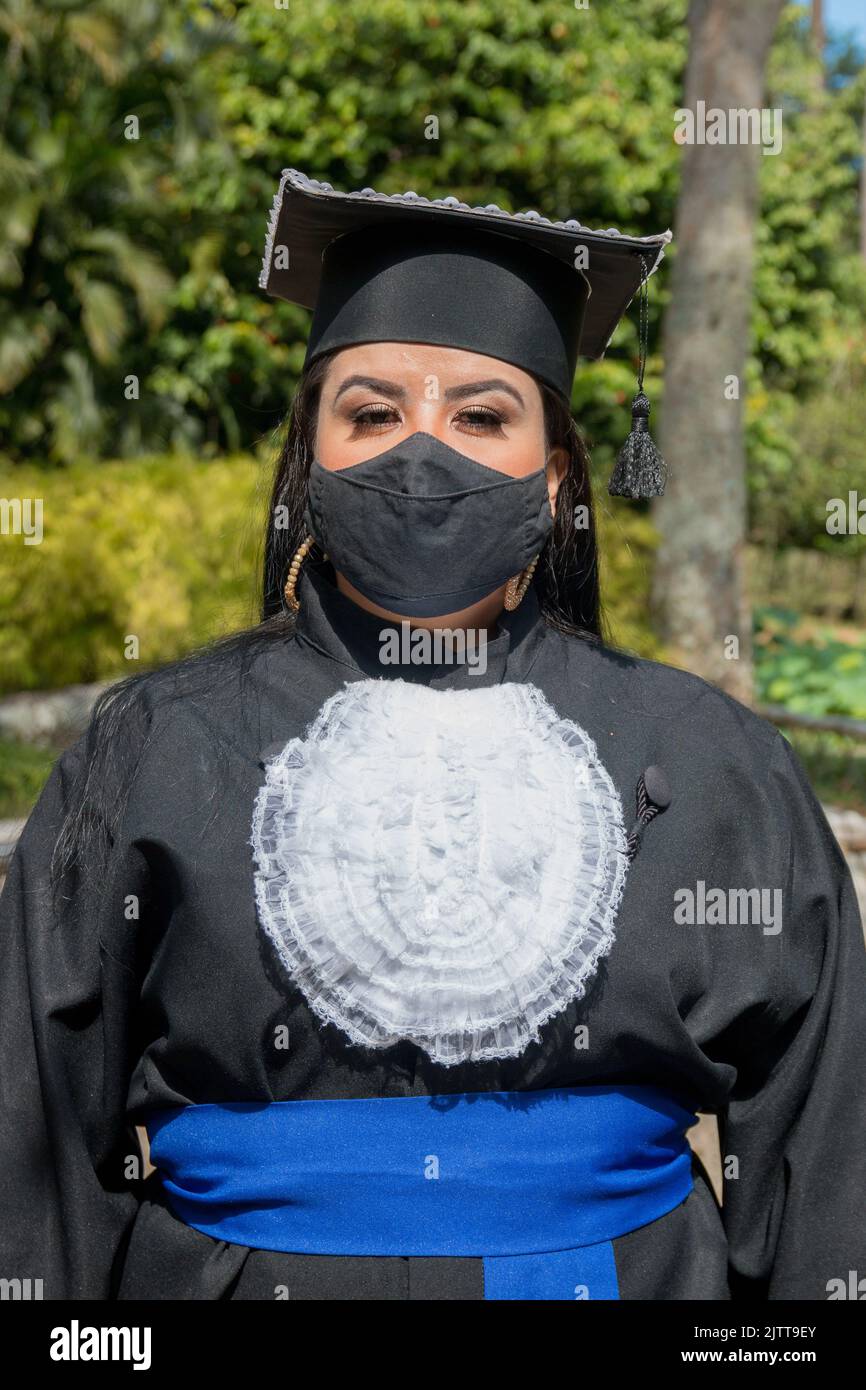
x,y
657,787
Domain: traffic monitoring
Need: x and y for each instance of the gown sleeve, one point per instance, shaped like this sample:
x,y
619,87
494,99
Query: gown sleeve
x,y
66,1000
793,1135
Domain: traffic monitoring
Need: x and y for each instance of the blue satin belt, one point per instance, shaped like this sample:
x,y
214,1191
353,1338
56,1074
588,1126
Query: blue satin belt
x,y
536,1183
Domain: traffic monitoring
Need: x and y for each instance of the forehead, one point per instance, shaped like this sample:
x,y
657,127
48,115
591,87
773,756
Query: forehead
x,y
414,362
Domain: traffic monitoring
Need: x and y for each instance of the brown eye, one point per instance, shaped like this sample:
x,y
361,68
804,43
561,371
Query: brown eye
x,y
480,419
370,418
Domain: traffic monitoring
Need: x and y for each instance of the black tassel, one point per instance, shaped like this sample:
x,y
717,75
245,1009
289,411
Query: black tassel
x,y
653,797
640,470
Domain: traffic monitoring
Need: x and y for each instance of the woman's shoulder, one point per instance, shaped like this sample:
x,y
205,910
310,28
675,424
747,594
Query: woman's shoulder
x,y
187,698
207,680
642,688
148,727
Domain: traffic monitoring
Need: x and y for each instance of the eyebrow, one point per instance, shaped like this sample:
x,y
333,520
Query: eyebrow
x,y
372,383
453,393
475,388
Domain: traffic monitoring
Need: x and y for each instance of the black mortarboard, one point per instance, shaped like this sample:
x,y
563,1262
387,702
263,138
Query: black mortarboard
x,y
375,267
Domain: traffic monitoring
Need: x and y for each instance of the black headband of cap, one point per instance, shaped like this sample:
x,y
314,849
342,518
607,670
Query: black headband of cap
x,y
487,293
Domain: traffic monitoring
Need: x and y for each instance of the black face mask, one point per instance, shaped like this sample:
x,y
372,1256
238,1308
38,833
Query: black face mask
x,y
422,530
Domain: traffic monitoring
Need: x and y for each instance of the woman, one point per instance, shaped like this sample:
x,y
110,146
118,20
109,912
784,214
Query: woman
x,y
416,925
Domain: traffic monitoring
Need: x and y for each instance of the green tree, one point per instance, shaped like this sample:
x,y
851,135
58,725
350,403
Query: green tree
x,y
86,231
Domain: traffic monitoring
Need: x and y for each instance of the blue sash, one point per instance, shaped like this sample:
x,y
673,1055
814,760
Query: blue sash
x,y
537,1183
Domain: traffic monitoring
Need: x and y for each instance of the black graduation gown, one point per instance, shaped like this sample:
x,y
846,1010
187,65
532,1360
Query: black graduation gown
x,y
104,1019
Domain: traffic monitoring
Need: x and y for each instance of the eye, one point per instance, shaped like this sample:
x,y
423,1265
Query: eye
x,y
480,419
369,418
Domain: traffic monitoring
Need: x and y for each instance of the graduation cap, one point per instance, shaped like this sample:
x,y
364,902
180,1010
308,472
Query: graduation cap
x,y
378,267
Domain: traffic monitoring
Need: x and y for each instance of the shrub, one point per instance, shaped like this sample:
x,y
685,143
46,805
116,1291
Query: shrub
x,y
163,549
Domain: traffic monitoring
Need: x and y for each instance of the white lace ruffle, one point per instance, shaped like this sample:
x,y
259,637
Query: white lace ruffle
x,y
443,866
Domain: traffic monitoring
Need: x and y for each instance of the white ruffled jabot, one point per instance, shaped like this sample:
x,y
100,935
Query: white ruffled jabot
x,y
442,866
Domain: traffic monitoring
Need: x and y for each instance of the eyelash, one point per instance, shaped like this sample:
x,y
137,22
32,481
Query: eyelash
x,y
369,417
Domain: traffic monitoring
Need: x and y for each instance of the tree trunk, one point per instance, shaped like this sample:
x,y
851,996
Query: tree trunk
x,y
699,590
819,34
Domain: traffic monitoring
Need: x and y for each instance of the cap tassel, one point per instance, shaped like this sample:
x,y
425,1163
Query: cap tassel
x,y
640,471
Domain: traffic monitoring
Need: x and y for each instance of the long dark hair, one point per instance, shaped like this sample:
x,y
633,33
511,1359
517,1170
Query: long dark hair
x,y
566,580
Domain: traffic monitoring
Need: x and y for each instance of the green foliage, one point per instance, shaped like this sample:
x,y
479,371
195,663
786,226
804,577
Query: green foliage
x,y
810,283
821,675
814,671
24,770
807,373
538,105
163,549
835,765
793,479
627,543
89,247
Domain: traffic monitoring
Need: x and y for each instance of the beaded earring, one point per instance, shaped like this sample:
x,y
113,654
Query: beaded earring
x,y
517,586
298,559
